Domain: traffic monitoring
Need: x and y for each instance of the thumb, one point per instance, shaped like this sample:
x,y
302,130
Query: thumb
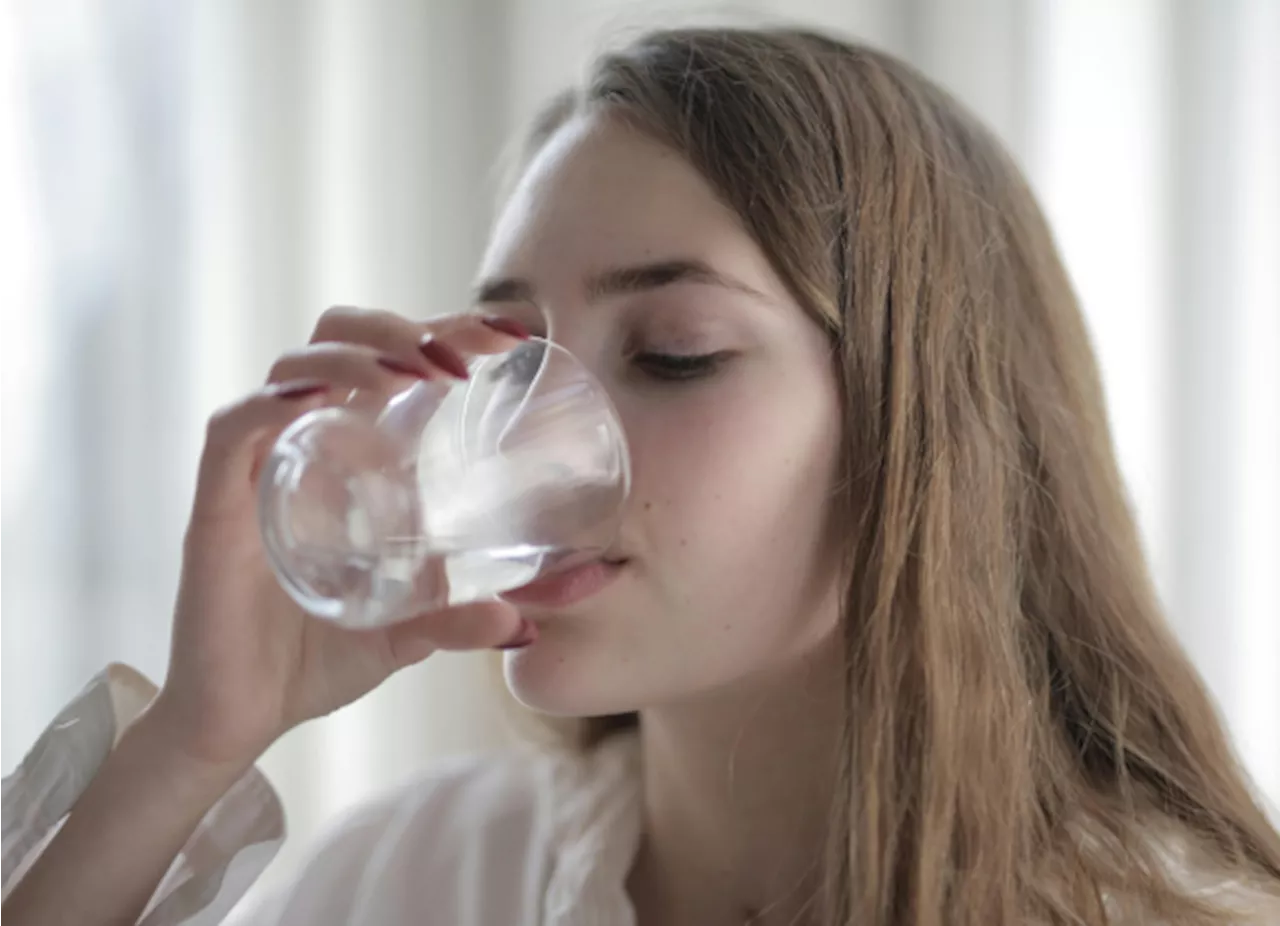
x,y
477,625
407,649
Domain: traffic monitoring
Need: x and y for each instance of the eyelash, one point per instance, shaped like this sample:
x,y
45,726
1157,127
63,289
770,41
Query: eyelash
x,y
676,368
668,368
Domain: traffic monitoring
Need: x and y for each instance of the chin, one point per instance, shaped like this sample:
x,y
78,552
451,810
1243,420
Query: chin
x,y
570,677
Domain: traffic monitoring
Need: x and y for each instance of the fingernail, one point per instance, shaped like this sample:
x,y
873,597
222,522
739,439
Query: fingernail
x,y
400,368
507,326
527,633
298,390
444,356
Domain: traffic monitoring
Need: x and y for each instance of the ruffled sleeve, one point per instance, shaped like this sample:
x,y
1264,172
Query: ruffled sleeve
x,y
229,848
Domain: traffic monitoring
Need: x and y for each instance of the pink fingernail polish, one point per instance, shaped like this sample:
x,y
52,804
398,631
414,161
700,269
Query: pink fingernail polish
x,y
444,356
298,390
507,326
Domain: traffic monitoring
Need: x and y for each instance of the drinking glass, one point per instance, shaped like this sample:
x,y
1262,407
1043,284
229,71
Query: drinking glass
x,y
451,491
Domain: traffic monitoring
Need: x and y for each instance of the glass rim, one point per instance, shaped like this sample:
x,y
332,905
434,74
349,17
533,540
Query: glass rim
x,y
479,361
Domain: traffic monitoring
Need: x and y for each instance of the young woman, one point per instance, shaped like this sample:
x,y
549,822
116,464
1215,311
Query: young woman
x,y
876,645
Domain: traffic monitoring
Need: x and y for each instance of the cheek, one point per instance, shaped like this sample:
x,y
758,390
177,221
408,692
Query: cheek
x,y
688,457
734,482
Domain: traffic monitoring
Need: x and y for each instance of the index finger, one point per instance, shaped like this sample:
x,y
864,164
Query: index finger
x,y
393,334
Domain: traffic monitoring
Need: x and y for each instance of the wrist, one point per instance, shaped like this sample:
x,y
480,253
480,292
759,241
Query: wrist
x,y
152,742
124,830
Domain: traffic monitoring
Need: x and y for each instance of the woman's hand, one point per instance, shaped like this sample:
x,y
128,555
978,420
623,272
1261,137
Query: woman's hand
x,y
247,664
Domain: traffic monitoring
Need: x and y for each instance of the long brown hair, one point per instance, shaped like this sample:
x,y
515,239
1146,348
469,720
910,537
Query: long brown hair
x,y
1024,741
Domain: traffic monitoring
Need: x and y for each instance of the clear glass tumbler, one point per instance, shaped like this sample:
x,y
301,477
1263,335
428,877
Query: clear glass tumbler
x,y
451,492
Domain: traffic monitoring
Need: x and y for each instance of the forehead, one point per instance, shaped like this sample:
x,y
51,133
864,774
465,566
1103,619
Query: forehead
x,y
602,193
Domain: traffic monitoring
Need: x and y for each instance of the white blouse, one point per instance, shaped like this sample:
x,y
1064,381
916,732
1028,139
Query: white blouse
x,y
535,839
518,840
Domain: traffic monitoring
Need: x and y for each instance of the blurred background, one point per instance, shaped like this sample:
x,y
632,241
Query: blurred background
x,y
186,184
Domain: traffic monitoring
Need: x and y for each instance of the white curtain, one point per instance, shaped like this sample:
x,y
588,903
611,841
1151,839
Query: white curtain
x,y
184,186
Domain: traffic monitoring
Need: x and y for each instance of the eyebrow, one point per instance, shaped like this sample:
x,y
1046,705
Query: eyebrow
x,y
622,281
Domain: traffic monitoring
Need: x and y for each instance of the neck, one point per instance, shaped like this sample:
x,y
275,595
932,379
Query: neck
x,y
737,789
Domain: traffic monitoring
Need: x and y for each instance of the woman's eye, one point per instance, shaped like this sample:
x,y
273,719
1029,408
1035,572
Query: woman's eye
x,y
676,367
521,365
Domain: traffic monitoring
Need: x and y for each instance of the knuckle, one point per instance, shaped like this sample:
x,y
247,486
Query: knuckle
x,y
222,424
281,367
381,318
334,320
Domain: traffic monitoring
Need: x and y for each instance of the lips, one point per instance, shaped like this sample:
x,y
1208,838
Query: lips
x,y
569,586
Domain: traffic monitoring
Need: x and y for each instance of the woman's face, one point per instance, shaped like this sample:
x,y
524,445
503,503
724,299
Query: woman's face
x,y
726,392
